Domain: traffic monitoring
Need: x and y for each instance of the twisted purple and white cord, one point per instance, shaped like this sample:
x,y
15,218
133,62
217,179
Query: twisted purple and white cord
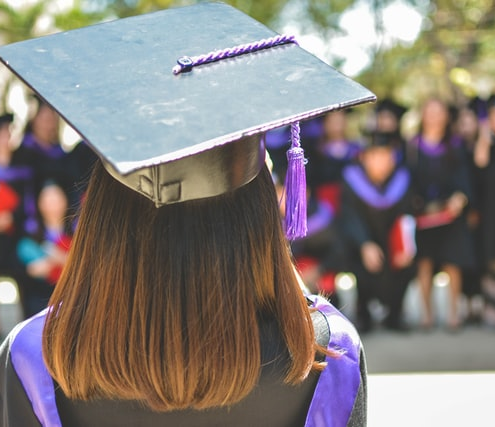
x,y
186,63
295,180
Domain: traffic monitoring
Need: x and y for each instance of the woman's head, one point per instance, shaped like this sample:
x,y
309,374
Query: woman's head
x,y
335,125
162,305
52,203
379,162
435,117
45,124
467,125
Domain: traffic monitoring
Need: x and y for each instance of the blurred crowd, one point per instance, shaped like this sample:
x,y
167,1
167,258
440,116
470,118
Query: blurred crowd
x,y
41,187
393,210
386,208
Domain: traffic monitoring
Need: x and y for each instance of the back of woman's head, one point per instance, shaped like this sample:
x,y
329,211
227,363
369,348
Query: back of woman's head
x,y
162,304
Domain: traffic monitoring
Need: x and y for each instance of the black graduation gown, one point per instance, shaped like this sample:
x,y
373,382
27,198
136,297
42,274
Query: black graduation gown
x,y
368,214
335,398
17,178
323,241
487,209
438,172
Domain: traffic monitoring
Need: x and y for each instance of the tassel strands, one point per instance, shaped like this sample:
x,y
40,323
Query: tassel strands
x,y
295,188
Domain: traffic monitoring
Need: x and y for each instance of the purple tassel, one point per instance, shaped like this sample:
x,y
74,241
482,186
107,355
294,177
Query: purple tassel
x,y
295,188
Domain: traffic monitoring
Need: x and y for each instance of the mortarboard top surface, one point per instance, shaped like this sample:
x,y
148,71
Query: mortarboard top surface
x,y
113,83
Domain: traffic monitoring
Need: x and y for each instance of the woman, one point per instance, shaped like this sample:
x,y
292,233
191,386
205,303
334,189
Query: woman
x,y
442,192
179,304
42,152
196,333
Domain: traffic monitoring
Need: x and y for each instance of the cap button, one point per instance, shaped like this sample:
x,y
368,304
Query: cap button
x,y
185,64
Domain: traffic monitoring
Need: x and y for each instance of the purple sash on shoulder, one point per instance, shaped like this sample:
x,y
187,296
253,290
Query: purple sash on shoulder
x,y
339,382
52,151
320,219
28,363
435,150
15,173
332,402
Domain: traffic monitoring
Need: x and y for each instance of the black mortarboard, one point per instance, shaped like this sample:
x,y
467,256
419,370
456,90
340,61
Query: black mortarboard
x,y
382,139
388,105
187,136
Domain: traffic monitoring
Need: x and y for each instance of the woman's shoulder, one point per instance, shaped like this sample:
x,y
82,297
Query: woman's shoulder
x,y
23,343
338,327
24,377
344,377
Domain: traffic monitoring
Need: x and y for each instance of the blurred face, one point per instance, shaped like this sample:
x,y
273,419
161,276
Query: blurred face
x,y
467,124
52,203
46,125
386,121
334,125
435,117
379,163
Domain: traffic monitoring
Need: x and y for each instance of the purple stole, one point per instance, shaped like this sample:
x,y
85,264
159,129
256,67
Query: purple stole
x,y
435,150
392,193
28,363
332,402
320,219
338,385
54,151
15,173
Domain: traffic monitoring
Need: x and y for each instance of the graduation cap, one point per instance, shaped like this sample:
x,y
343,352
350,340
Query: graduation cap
x,y
175,102
391,106
376,138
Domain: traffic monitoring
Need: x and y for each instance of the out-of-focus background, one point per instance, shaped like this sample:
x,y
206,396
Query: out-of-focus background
x,y
401,200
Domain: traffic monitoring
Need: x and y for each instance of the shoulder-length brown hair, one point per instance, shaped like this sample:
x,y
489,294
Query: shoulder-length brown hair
x,y
162,305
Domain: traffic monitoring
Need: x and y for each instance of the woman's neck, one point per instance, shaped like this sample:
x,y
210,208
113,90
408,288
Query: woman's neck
x,y
54,224
42,140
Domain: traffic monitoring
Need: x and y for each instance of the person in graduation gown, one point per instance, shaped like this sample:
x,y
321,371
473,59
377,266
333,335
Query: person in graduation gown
x,y
17,203
470,125
42,152
484,161
179,303
388,117
210,314
319,255
43,253
9,198
376,208
329,156
322,254
442,191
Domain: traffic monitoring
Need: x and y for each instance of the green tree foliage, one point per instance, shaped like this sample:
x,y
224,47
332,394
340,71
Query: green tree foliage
x,y
19,24
452,57
78,16
264,11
